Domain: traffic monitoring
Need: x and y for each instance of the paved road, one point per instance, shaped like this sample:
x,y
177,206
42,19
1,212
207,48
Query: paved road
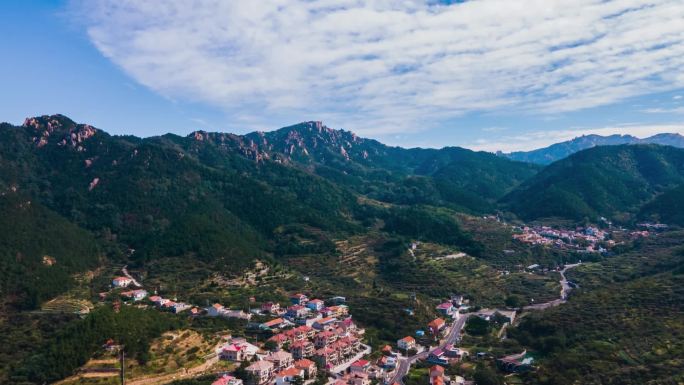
x,y
452,337
565,290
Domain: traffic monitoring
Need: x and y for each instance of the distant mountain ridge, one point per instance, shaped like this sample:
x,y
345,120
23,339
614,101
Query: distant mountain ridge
x,y
558,151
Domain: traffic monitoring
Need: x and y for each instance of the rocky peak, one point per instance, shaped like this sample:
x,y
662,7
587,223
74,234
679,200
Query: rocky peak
x,y
59,129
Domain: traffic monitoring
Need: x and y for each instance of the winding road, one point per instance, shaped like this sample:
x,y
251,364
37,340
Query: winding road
x,y
454,334
565,290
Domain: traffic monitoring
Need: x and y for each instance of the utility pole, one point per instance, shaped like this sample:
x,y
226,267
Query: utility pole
x,y
122,371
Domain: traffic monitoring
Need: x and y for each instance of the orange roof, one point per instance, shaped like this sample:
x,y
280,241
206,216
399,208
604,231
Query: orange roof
x,y
217,306
438,381
304,363
289,372
437,368
436,323
408,339
274,322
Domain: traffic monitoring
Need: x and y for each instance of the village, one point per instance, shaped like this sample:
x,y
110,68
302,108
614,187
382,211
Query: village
x,y
314,340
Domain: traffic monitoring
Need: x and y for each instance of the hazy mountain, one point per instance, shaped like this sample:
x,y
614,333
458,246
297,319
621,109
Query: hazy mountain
x,y
548,155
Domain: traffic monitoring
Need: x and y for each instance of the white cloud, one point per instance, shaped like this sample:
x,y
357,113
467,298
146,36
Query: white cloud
x,y
677,97
538,139
385,66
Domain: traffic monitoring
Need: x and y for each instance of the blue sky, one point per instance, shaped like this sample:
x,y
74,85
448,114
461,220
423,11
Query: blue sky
x,y
489,75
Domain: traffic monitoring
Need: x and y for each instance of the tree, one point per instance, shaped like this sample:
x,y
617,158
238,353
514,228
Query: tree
x,y
514,301
270,345
486,376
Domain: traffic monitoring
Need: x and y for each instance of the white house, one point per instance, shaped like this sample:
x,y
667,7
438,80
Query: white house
x,y
215,310
406,343
121,281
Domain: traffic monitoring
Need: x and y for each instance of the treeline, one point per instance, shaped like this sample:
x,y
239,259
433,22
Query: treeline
x,y
75,344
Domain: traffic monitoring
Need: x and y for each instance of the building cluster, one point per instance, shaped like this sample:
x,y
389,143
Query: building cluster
x,y
582,239
306,334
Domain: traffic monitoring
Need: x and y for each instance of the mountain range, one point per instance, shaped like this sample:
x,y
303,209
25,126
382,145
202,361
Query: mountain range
x,y
558,151
224,199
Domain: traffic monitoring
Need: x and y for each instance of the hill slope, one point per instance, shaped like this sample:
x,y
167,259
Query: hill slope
x,y
667,207
611,181
558,151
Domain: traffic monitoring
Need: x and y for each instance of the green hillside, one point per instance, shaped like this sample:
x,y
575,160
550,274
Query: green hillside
x,y
39,251
611,181
667,208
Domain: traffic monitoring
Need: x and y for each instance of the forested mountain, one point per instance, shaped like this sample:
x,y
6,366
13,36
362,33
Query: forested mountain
x,y
610,181
221,198
558,151
452,176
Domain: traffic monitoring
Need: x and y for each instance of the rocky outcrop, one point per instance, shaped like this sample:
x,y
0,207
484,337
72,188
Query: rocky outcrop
x,y
60,130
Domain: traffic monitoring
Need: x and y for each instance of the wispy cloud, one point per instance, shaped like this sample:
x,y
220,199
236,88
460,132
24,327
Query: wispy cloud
x,y
494,129
383,66
539,139
676,110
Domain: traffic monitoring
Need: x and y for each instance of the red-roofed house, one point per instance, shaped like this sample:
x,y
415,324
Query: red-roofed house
x,y
406,343
279,339
308,366
446,308
299,299
281,359
326,357
301,349
227,380
325,338
274,323
270,307
287,376
436,326
260,372
315,304
215,310
360,366
121,281
324,323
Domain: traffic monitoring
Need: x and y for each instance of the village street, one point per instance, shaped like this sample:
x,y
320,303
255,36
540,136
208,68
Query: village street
x,y
452,337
